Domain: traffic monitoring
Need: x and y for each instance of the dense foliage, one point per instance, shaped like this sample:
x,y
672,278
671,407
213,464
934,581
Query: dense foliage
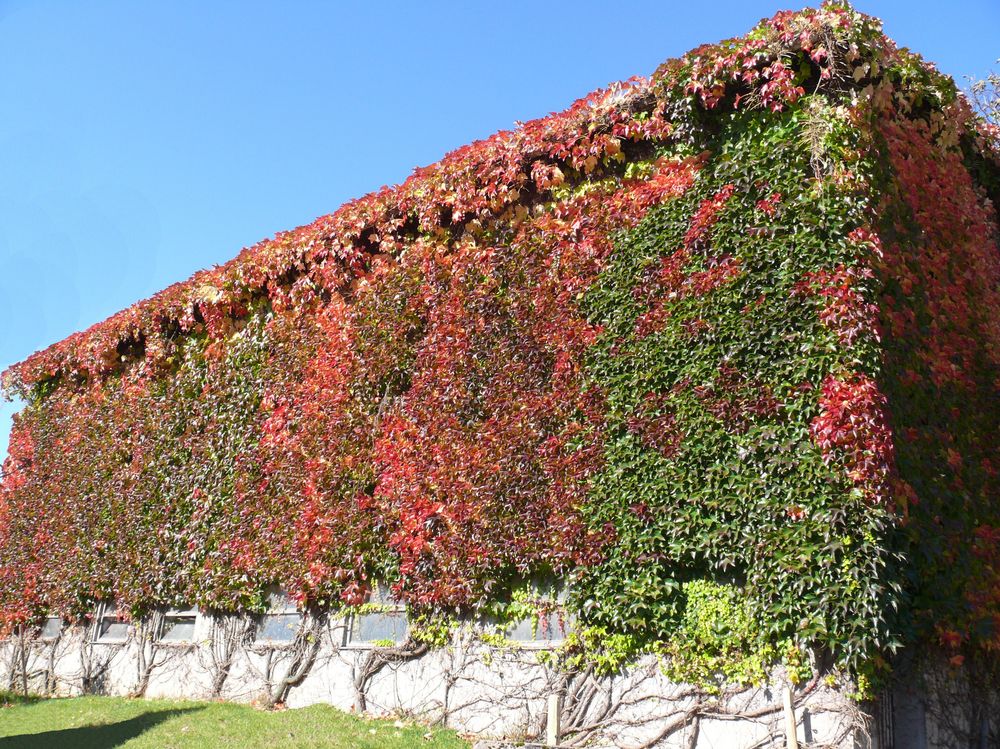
x,y
720,345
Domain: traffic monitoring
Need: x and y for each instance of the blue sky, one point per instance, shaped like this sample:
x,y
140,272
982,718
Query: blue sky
x,y
140,142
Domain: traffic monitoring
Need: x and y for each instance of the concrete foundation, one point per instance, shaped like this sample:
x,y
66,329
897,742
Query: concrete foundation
x,y
489,692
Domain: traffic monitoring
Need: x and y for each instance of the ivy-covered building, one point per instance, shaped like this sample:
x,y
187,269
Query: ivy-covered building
x,y
702,372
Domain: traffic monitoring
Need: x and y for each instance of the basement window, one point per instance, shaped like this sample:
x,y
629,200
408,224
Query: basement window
x,y
282,621
550,623
51,628
110,628
546,627
178,625
381,621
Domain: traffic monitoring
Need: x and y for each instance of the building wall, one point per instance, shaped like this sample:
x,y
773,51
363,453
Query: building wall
x,y
491,692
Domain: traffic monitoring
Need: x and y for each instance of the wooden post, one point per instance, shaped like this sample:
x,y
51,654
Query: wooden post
x,y
791,739
552,724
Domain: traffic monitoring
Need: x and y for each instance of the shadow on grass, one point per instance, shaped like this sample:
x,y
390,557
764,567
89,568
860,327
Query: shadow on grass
x,y
104,736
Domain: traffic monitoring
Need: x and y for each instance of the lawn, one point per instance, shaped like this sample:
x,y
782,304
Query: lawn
x,y
106,722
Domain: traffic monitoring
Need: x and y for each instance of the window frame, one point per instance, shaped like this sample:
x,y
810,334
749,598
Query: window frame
x,y
559,620
280,605
109,610
381,596
553,593
190,612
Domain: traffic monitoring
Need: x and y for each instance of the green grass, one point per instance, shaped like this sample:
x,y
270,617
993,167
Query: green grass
x,y
106,722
